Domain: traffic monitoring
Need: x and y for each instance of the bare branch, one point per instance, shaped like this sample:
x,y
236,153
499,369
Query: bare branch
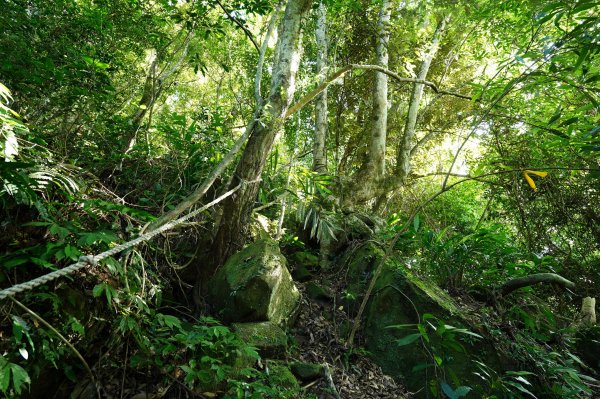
x,y
238,23
548,278
341,72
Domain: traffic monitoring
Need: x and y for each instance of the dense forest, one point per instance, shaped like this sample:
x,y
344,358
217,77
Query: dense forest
x,y
299,199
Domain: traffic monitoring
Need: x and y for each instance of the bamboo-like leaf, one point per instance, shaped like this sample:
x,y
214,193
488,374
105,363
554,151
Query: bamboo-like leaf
x,y
537,173
409,339
529,181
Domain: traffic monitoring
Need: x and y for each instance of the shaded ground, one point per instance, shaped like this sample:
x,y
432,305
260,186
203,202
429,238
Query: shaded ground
x,y
353,374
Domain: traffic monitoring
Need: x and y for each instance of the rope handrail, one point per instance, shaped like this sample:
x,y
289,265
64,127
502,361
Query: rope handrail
x,y
94,259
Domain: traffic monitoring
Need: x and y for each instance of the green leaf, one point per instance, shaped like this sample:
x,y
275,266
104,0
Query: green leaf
x,y
409,339
448,391
172,321
19,377
24,354
9,264
19,326
462,391
4,375
416,222
520,388
98,289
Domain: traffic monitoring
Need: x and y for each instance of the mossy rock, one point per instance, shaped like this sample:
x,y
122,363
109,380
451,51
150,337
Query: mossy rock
x,y
399,298
359,262
306,259
302,274
588,346
255,285
267,337
306,371
280,376
318,293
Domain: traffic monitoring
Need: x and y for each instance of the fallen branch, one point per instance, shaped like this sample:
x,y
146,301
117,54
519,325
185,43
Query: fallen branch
x,y
548,278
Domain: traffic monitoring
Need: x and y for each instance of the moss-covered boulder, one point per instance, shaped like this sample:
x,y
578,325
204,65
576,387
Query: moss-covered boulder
x,y
401,299
255,285
306,371
318,292
280,376
267,337
306,259
588,346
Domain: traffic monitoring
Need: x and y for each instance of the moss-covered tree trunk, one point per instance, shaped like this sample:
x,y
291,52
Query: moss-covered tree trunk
x,y
237,208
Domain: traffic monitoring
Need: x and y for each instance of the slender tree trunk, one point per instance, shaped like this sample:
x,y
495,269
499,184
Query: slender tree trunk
x,y
319,148
197,195
364,184
407,142
379,114
237,208
152,89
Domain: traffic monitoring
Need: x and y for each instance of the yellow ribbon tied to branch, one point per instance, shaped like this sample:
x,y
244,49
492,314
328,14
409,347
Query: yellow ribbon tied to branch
x,y
530,180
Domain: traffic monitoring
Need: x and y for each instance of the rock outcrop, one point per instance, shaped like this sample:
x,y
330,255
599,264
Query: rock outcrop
x,y
255,285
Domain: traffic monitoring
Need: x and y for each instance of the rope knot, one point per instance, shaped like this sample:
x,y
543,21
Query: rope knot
x,y
90,260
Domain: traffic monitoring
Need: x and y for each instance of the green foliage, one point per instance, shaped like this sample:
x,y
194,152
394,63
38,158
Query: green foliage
x,y
486,256
440,342
79,172
13,378
512,384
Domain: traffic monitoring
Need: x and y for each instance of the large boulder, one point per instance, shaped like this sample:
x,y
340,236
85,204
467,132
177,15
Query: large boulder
x,y
255,285
402,299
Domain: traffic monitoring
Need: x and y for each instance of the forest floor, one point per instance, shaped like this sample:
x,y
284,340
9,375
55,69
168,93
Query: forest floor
x,y
354,375
315,339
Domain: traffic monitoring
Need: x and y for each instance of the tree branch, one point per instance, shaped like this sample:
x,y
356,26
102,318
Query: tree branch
x,y
341,72
238,23
548,278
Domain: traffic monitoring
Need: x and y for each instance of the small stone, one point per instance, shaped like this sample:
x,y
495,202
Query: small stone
x,y
267,337
306,371
301,274
317,292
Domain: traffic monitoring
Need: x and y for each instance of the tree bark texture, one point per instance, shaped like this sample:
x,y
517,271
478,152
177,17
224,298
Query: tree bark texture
x,y
364,183
237,209
319,148
407,143
380,95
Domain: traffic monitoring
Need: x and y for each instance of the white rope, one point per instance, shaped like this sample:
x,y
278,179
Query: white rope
x,y
93,260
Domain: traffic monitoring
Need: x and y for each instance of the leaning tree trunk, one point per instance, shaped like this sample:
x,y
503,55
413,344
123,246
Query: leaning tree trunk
x,y
407,142
237,208
153,87
319,148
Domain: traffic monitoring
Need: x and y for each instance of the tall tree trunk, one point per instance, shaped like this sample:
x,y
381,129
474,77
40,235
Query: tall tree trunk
x,y
237,208
363,186
380,96
319,148
407,143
